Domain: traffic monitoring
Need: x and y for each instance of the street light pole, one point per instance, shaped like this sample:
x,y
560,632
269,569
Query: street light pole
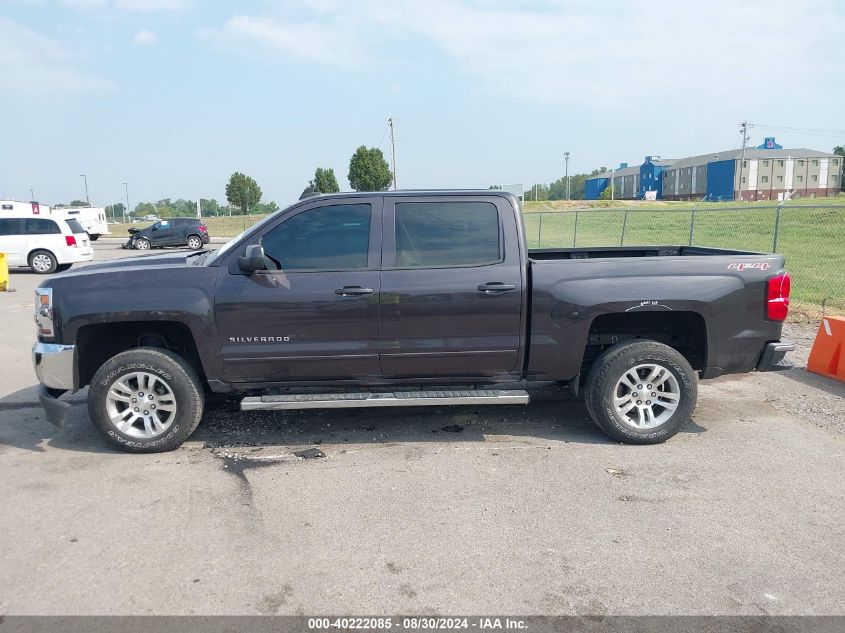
x,y
126,211
31,196
566,160
85,179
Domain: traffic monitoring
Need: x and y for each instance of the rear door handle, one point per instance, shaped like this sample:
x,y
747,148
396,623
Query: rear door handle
x,y
353,291
495,286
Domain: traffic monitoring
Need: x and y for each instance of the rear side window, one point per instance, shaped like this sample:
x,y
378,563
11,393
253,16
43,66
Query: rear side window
x,y
11,226
325,238
438,234
39,226
75,226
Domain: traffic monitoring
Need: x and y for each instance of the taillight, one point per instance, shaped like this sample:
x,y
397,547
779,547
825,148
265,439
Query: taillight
x,y
777,297
71,240
203,228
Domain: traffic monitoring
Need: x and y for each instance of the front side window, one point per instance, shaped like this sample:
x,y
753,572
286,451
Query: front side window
x,y
438,234
37,226
325,238
10,226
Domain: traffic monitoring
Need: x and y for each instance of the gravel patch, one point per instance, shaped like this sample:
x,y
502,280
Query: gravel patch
x,y
812,398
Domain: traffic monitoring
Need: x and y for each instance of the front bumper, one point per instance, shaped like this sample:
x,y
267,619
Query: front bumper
x,y
54,365
773,353
55,410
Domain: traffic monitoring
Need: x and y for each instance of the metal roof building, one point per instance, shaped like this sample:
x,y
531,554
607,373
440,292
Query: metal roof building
x,y
766,172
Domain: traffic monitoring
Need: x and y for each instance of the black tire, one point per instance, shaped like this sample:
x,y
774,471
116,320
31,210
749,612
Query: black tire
x,y
603,385
174,372
42,262
94,236
63,267
142,244
194,242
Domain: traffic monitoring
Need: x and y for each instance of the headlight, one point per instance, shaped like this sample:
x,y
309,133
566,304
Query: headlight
x,y
44,312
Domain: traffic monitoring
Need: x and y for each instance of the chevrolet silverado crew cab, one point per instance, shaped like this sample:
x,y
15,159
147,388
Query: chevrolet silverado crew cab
x,y
395,299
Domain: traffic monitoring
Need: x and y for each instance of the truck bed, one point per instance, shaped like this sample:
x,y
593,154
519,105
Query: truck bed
x,y
604,252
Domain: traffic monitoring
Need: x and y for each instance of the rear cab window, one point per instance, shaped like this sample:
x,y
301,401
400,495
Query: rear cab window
x,y
447,234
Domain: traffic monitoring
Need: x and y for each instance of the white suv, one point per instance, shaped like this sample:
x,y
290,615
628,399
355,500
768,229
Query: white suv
x,y
46,245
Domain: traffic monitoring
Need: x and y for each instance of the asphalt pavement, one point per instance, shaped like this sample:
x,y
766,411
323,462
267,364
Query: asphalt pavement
x,y
507,510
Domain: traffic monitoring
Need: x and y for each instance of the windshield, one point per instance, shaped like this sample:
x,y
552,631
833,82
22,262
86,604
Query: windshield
x,y
215,255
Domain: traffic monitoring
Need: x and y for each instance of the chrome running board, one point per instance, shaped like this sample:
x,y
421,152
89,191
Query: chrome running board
x,y
396,399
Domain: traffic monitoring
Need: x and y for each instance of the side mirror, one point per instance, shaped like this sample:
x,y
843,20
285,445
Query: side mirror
x,y
253,260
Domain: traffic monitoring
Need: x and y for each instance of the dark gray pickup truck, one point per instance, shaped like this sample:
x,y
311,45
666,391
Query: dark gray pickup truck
x,y
393,299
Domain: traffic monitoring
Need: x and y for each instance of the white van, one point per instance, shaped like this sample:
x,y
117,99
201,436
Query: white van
x,y
92,219
44,244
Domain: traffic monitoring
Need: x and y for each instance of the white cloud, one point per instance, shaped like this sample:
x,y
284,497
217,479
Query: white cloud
x,y
154,5
33,64
333,43
576,50
145,38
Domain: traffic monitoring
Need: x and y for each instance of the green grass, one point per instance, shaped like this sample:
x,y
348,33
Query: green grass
x,y
811,238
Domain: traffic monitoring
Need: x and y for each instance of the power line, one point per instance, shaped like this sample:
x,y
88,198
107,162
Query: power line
x,y
801,130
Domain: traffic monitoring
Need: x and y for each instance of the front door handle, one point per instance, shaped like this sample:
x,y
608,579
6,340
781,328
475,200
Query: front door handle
x,y
495,286
353,291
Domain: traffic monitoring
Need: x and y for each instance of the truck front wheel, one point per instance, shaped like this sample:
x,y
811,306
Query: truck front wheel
x,y
641,392
146,400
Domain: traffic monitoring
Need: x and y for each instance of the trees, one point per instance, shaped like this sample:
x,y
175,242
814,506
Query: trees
x,y
537,192
368,170
242,191
324,181
557,189
607,194
115,210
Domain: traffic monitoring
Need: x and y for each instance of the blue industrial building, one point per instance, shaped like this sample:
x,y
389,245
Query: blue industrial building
x,y
766,172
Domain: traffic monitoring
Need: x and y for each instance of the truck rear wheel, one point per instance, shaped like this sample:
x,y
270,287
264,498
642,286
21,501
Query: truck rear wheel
x,y
641,392
146,400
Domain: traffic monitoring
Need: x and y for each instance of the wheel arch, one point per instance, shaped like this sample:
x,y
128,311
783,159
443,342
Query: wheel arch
x,y
684,331
41,248
98,342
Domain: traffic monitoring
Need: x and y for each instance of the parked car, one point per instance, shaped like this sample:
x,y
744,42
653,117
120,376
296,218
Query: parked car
x,y
46,245
174,232
404,291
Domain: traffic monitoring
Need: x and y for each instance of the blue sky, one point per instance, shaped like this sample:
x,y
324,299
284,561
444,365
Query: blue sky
x,y
173,95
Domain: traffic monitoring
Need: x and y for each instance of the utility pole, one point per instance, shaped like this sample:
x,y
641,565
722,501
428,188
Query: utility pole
x,y
392,150
612,187
744,128
126,211
566,160
85,178
31,196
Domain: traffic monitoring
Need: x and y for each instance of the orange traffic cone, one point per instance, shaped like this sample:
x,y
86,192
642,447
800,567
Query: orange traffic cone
x,y
828,354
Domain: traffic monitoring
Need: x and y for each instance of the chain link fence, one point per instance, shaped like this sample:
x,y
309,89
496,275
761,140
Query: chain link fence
x,y
811,238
